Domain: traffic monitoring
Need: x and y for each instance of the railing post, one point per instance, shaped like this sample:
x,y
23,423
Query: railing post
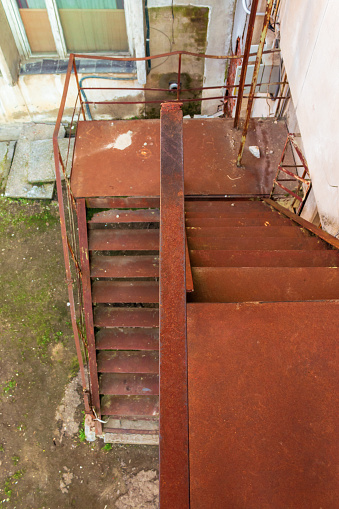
x,y
255,79
245,60
179,77
174,459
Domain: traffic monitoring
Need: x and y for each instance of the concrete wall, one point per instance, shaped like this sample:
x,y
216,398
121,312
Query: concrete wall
x,y
9,55
218,41
310,46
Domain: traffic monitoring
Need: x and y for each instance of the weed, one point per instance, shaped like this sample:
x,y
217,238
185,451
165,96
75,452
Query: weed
x,y
2,448
82,436
9,483
74,366
15,460
7,388
107,447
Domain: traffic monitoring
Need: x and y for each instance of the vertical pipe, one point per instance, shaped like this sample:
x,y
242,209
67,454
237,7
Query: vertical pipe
x,y
77,80
245,60
179,77
255,78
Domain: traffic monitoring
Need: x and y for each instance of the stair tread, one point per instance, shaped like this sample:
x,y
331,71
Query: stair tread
x,y
272,220
225,205
124,266
131,202
127,339
268,284
106,316
130,406
123,240
262,243
245,231
125,291
256,258
127,362
126,216
129,384
230,213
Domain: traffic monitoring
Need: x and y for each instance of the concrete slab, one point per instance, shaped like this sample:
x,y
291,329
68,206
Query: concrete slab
x,y
10,132
17,183
33,132
6,156
41,159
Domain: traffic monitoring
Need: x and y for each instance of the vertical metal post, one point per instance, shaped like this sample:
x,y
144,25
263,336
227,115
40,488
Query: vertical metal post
x,y
174,458
255,78
179,77
78,85
245,60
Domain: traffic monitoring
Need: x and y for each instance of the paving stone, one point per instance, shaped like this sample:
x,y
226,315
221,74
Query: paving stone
x,y
33,132
10,132
6,156
17,183
41,160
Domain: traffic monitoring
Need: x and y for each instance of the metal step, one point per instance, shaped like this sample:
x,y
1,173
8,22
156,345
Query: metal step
x,y
265,213
124,203
220,205
245,231
124,266
123,240
122,384
262,244
146,407
126,216
107,316
127,339
127,362
282,258
273,220
125,291
264,284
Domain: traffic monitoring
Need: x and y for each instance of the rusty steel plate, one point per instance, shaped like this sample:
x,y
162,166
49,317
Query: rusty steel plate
x,y
122,158
263,405
128,362
127,339
125,291
129,384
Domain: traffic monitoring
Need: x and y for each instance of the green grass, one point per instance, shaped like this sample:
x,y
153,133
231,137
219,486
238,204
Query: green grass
x,y
107,447
9,386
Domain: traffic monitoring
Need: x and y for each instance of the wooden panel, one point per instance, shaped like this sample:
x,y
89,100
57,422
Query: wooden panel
x,y
94,29
38,30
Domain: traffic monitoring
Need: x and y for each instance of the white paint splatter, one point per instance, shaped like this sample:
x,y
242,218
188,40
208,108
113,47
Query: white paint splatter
x,y
123,141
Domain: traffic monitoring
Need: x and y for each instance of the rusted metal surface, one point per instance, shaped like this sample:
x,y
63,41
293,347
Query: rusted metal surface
x,y
127,339
272,284
124,266
129,384
283,258
174,463
263,243
211,144
125,216
255,79
87,302
275,220
250,28
123,240
333,241
146,407
263,393
189,278
109,202
125,292
128,362
106,316
244,231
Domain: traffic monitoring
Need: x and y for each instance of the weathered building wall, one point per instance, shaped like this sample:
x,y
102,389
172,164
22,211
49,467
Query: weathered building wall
x,y
206,27
310,46
9,55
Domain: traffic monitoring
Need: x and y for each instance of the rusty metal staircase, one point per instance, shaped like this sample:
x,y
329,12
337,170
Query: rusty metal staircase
x,y
120,248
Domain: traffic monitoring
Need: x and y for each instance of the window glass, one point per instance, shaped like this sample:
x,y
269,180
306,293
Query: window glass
x,y
93,25
38,29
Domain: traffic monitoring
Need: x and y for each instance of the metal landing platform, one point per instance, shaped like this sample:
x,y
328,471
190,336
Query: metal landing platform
x,y
122,158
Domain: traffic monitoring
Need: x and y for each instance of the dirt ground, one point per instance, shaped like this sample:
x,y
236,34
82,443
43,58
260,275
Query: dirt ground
x,y
45,463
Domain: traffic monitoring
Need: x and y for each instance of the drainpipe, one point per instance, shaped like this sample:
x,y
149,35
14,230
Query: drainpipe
x,y
255,78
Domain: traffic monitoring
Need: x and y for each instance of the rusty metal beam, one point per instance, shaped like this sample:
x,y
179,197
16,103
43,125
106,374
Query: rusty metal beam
x,y
174,461
255,78
245,60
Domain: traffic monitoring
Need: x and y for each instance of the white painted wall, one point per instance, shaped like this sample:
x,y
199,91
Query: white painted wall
x,y
310,48
219,32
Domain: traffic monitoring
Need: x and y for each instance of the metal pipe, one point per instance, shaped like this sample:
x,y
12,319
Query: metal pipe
x,y
255,78
179,78
245,60
246,9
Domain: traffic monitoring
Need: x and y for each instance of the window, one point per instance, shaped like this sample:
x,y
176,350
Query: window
x,y
58,27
